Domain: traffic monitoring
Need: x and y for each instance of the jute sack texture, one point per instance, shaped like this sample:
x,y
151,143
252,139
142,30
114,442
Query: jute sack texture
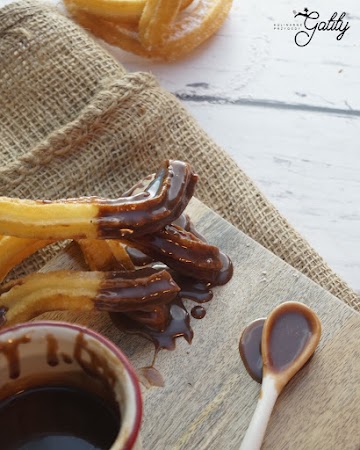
x,y
74,122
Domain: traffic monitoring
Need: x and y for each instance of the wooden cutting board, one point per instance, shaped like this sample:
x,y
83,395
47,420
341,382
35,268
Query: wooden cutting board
x,y
208,398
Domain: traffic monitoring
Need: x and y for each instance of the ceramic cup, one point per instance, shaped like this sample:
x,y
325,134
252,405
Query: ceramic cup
x,y
34,353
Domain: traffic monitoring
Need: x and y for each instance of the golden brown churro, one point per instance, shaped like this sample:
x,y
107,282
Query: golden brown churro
x,y
157,29
126,11
156,20
13,250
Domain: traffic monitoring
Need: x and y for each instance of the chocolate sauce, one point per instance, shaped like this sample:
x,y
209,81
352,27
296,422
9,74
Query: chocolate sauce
x,y
57,417
52,357
164,323
183,249
150,377
138,257
226,271
93,363
289,335
191,289
198,312
250,349
185,222
10,350
178,325
162,201
157,318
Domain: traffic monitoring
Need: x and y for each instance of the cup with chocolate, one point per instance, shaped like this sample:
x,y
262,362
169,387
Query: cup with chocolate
x,y
65,386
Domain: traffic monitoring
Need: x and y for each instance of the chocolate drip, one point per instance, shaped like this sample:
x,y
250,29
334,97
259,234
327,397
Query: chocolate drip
x,y
138,257
191,289
184,221
157,323
92,363
10,350
178,325
157,318
52,357
198,312
226,272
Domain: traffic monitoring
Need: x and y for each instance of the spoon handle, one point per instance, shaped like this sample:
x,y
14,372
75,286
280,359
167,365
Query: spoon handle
x,y
256,431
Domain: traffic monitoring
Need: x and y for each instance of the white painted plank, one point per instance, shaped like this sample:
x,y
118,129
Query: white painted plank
x,y
248,59
307,164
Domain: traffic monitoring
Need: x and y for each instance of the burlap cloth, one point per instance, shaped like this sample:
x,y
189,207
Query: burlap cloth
x,y
74,122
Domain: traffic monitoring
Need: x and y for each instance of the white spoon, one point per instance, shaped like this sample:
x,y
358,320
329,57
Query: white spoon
x,y
290,336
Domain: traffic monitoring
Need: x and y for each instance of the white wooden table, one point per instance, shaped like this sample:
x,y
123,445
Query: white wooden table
x,y
290,116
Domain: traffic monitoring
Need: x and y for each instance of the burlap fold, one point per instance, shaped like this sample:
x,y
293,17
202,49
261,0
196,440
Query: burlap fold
x,y
73,122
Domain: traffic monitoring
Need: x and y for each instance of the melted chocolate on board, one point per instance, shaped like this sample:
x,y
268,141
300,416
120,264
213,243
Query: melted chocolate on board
x,y
163,324
198,312
178,325
191,289
250,349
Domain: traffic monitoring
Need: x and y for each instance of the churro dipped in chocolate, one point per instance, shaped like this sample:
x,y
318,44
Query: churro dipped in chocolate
x,y
162,201
27,297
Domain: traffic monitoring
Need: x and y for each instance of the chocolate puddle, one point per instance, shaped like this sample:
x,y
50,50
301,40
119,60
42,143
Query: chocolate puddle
x,y
250,349
191,289
163,324
178,325
198,312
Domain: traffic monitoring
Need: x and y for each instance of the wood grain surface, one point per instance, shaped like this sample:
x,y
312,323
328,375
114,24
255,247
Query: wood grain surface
x,y
208,398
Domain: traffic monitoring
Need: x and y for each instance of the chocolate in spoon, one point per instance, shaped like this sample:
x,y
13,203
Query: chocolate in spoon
x,y
290,336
